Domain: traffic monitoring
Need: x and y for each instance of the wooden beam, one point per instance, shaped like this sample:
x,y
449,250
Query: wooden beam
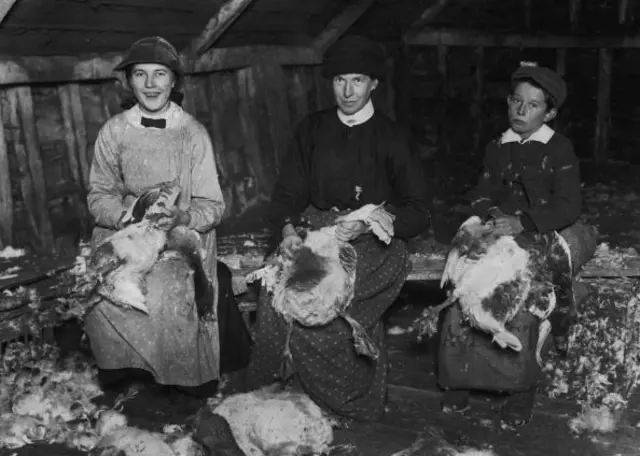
x,y
623,11
603,118
340,24
402,82
468,38
59,69
6,196
425,18
527,14
226,15
478,99
5,7
240,57
561,69
575,8
443,76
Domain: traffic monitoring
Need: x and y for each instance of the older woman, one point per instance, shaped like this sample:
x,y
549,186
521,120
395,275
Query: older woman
x,y
156,141
343,158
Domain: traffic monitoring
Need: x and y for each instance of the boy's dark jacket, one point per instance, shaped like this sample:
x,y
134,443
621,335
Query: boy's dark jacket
x,y
540,182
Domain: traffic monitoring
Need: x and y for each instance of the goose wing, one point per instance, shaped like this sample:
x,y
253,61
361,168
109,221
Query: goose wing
x,y
457,261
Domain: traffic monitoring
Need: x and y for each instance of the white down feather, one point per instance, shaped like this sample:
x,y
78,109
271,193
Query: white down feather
x,y
138,246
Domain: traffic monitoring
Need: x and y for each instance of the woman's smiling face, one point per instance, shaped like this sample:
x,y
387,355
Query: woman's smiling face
x,y
152,84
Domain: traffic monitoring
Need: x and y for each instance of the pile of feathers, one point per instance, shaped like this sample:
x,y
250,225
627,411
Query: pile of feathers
x,y
602,368
50,400
43,398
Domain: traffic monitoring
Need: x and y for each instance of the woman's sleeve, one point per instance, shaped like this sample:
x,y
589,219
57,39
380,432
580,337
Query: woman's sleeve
x,y
106,187
207,202
410,199
290,196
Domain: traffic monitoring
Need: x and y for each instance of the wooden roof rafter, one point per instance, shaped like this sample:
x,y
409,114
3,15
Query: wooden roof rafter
x,y
226,15
425,18
474,38
340,24
25,70
5,7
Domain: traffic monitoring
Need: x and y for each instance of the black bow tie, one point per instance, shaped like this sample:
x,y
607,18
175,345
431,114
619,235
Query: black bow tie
x,y
158,123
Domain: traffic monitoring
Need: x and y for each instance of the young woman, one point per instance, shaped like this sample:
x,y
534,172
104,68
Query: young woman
x,y
151,142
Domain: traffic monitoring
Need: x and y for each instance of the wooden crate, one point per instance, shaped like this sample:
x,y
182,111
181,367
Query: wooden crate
x,y
29,289
427,263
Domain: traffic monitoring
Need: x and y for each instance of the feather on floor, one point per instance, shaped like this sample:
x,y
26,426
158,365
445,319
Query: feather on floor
x,y
432,442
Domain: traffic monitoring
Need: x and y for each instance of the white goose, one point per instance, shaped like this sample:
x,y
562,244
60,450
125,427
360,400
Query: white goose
x,y
493,277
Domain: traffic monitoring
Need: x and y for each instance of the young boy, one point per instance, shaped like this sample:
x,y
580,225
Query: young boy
x,y
531,179
530,186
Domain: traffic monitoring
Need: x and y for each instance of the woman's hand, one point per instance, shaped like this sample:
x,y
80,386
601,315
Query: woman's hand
x,y
120,222
508,225
290,244
170,218
348,231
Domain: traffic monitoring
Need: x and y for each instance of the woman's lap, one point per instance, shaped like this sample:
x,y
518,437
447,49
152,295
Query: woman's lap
x,y
170,342
324,358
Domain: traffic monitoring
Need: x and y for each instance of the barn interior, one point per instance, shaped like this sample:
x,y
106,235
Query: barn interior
x,y
252,72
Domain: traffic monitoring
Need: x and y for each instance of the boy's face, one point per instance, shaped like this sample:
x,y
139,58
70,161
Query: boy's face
x,y
528,109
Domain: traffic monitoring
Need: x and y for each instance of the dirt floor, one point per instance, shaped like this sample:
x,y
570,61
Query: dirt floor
x,y
611,201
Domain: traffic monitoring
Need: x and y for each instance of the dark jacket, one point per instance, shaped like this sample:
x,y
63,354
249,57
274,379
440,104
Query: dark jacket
x,y
538,181
327,161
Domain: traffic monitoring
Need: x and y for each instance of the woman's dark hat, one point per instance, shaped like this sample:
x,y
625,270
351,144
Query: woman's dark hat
x,y
354,54
152,49
546,78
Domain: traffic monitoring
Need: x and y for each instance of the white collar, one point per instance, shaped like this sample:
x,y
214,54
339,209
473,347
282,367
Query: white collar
x,y
543,135
359,117
173,115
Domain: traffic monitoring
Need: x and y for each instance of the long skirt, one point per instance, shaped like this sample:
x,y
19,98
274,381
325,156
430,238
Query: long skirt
x,y
170,342
325,362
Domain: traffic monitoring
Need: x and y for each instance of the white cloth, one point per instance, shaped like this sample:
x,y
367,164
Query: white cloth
x,y
173,115
543,135
379,220
359,117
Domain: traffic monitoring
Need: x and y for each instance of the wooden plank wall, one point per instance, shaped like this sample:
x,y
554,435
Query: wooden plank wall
x,y
458,97
49,132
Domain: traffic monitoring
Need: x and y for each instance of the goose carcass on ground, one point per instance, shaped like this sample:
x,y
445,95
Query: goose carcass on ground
x,y
272,421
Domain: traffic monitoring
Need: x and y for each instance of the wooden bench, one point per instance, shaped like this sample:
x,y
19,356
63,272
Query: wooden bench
x,y
49,277
46,279
427,263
